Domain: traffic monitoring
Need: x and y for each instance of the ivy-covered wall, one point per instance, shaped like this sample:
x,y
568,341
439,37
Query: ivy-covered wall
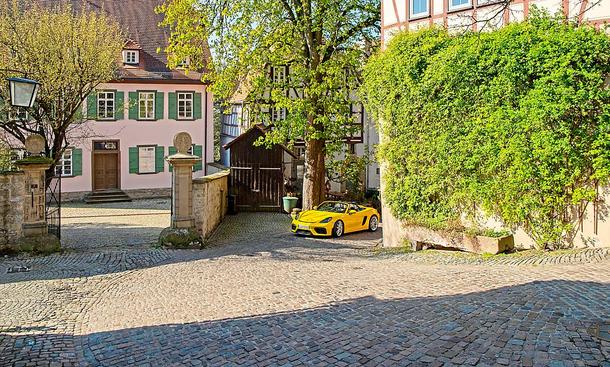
x,y
514,124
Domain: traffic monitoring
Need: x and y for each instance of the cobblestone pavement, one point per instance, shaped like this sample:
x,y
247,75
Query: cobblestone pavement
x,y
131,224
284,300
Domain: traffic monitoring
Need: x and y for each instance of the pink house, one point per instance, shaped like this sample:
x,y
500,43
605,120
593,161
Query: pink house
x,y
132,120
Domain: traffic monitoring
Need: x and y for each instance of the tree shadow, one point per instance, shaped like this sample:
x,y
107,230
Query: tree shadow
x,y
537,323
102,257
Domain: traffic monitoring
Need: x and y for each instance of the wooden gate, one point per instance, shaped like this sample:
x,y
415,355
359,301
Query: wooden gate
x,y
257,173
257,188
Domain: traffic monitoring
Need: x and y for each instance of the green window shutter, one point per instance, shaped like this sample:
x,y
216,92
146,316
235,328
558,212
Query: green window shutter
x,y
119,105
172,151
134,162
160,159
198,151
92,106
77,162
197,106
133,105
172,103
159,106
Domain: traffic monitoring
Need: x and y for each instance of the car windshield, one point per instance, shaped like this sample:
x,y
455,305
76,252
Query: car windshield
x,y
332,207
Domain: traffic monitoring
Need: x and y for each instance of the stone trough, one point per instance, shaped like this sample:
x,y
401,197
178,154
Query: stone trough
x,y
422,238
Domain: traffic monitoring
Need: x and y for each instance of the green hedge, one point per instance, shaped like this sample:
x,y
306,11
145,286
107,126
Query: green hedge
x,y
514,122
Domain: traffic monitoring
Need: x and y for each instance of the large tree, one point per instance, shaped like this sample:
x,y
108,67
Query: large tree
x,y
69,52
324,43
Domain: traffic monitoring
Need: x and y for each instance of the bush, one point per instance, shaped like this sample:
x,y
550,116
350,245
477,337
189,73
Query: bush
x,y
6,162
514,123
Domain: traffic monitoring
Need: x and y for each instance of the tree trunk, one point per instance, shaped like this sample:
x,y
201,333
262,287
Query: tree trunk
x,y
314,180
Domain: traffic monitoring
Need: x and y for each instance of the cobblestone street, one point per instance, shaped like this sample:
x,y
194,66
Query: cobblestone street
x,y
264,297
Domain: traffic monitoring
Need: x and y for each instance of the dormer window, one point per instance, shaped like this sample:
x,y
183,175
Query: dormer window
x,y
131,57
184,63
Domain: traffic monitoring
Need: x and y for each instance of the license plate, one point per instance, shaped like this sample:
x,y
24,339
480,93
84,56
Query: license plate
x,y
303,226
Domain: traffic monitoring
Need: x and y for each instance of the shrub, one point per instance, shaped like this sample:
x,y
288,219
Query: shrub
x,y
514,123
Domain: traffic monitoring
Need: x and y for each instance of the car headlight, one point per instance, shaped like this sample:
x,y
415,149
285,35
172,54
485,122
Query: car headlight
x,y
326,220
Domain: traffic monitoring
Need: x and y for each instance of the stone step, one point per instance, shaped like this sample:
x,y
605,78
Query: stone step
x,y
113,196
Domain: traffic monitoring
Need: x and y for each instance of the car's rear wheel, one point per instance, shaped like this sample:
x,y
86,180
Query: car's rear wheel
x,y
373,223
338,229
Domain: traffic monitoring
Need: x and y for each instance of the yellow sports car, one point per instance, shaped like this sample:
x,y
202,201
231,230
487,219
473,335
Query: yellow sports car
x,y
334,218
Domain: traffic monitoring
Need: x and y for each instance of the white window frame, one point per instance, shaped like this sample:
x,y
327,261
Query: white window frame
x,y
278,114
131,57
185,98
151,166
13,114
459,7
61,167
108,113
422,14
279,73
145,97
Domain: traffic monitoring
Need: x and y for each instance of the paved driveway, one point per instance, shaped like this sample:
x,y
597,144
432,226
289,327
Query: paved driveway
x,y
284,300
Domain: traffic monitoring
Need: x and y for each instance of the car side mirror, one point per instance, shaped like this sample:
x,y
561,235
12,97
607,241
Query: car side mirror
x,y
352,211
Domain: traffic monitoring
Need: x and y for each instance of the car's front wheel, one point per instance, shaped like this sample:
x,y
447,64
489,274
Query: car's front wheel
x,y
338,229
373,223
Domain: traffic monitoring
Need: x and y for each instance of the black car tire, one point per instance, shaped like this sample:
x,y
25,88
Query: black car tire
x,y
338,229
373,223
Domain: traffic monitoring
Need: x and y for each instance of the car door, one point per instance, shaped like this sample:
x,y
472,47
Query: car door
x,y
353,220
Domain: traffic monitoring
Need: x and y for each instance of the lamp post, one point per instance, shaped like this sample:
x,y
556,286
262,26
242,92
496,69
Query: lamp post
x,y
23,91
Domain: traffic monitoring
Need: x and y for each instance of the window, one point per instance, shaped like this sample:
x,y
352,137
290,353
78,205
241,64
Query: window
x,y
184,63
185,105
105,105
146,159
278,114
146,106
279,74
419,8
131,57
64,166
18,114
458,4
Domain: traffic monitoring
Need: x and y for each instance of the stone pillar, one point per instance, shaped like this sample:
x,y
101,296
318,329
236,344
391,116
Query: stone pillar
x,y
34,227
182,233
34,167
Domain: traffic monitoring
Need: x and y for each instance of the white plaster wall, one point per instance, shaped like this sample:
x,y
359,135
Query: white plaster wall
x,y
394,11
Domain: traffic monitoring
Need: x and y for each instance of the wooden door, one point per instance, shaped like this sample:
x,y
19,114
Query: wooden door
x,y
106,171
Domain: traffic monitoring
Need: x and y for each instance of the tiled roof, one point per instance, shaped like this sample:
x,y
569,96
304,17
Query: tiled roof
x,y
140,24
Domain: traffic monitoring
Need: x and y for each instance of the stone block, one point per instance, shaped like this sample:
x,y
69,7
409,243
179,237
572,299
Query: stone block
x,y
180,238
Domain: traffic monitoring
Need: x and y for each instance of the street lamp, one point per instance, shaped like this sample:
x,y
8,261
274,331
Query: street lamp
x,y
23,91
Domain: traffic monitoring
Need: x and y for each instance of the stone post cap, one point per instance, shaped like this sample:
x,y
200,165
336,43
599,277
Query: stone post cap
x,y
34,144
183,142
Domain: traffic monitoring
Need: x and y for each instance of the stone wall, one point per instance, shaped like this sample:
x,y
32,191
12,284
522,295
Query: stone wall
x,y
592,227
210,201
12,194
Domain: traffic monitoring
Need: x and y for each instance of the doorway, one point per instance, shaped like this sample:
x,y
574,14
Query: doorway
x,y
106,165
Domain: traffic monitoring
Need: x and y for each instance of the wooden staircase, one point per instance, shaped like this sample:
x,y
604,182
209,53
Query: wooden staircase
x,y
106,196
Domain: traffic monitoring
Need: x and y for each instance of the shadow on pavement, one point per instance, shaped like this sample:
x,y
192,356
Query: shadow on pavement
x,y
537,323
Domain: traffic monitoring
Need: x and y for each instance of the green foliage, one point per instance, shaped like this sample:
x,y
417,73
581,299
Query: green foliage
x,y
349,170
324,43
6,163
514,123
